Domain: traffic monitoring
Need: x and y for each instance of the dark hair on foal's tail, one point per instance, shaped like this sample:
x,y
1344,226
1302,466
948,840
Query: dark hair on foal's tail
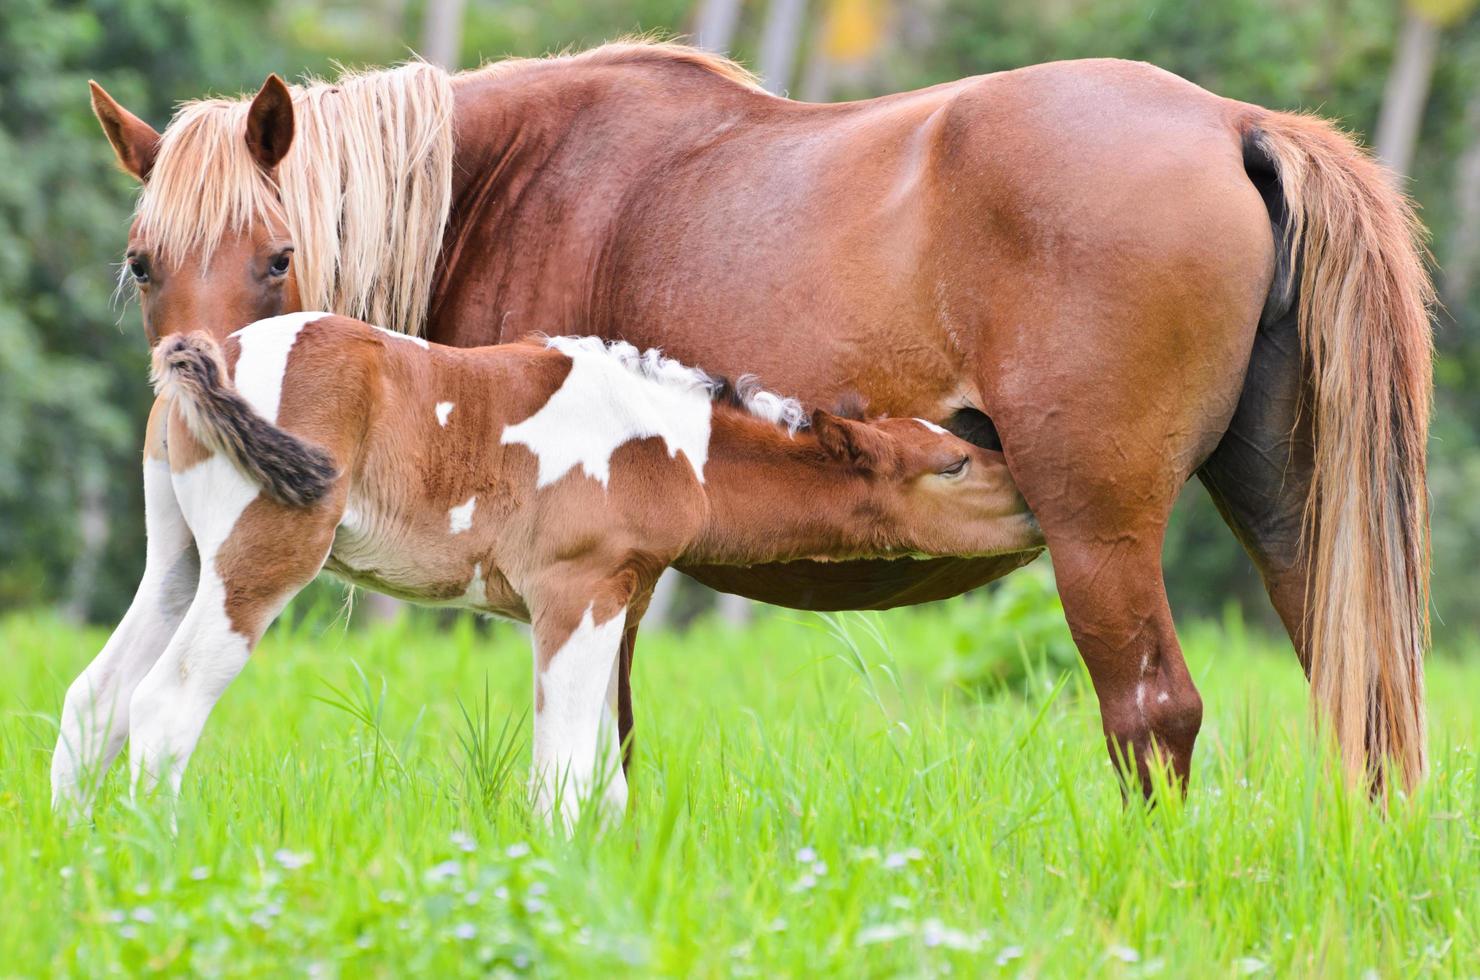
x,y
190,368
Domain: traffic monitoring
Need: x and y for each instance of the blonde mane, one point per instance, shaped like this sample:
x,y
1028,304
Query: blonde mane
x,y
366,187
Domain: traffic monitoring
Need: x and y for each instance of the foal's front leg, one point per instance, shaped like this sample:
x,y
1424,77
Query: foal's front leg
x,y
577,744
95,714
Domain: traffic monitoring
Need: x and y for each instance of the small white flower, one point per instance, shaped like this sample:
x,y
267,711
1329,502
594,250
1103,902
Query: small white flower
x,y
144,915
886,932
464,842
516,851
128,932
819,868
200,873
806,882
538,888
1125,954
1249,964
1008,954
291,860
806,855
464,931
472,897
443,871
67,872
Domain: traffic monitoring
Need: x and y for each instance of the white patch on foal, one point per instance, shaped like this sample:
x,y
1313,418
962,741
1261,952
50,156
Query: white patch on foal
x,y
576,723
933,427
265,346
612,396
444,411
460,518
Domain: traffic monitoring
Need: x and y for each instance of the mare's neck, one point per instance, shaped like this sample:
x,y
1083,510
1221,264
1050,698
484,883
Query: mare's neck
x,y
548,155
777,498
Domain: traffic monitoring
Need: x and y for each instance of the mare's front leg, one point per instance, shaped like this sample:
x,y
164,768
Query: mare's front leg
x,y
256,554
95,713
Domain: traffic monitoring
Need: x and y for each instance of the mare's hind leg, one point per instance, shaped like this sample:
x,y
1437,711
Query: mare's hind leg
x,y
255,555
1259,475
95,713
1101,434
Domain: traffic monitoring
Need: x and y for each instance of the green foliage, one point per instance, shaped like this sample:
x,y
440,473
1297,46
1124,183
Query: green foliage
x,y
72,391
805,803
72,380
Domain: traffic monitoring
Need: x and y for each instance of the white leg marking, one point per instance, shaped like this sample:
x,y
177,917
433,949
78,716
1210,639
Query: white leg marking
x,y
576,722
264,359
95,714
460,518
603,404
444,411
169,707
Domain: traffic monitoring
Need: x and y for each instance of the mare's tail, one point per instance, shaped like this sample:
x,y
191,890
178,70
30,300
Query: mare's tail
x,y
190,368
1353,259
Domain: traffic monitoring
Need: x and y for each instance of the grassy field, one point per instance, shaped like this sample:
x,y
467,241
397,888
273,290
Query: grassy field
x,y
919,793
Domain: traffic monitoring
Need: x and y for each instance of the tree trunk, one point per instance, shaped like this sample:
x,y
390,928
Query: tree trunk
x,y
441,42
780,38
715,23
93,532
1464,244
1406,92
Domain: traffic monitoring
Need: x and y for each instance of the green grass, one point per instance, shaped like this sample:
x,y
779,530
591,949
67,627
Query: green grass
x,y
918,793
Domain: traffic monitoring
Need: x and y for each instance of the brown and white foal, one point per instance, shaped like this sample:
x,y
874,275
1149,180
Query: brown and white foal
x,y
546,481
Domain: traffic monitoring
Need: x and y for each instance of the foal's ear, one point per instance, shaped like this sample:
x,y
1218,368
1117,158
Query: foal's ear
x,y
858,443
134,141
270,123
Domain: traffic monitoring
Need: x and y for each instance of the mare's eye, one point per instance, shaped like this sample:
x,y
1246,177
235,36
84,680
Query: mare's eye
x,y
956,469
280,262
138,267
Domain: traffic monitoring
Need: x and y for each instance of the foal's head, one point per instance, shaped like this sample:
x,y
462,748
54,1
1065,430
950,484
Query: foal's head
x,y
209,247
955,498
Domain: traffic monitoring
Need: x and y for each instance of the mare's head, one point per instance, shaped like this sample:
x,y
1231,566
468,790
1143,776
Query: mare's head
x,y
209,247
942,494
329,196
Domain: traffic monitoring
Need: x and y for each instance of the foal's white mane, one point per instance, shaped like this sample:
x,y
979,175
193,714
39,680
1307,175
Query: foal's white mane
x,y
652,365
364,190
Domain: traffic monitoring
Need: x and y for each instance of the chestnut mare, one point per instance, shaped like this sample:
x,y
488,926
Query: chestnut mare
x,y
550,482
1117,277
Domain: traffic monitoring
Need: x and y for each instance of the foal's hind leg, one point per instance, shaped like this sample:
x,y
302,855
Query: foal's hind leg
x,y
255,556
95,714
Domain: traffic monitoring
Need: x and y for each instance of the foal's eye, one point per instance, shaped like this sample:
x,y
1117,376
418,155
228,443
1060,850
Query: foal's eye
x,y
138,267
956,469
280,262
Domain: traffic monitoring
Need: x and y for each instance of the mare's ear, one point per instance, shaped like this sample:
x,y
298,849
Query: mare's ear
x,y
270,123
134,141
859,443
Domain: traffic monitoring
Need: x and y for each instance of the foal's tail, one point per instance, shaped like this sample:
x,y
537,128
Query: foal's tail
x,y
1353,258
190,368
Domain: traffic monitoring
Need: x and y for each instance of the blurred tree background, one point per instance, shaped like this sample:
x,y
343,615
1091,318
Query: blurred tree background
x,y
72,358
